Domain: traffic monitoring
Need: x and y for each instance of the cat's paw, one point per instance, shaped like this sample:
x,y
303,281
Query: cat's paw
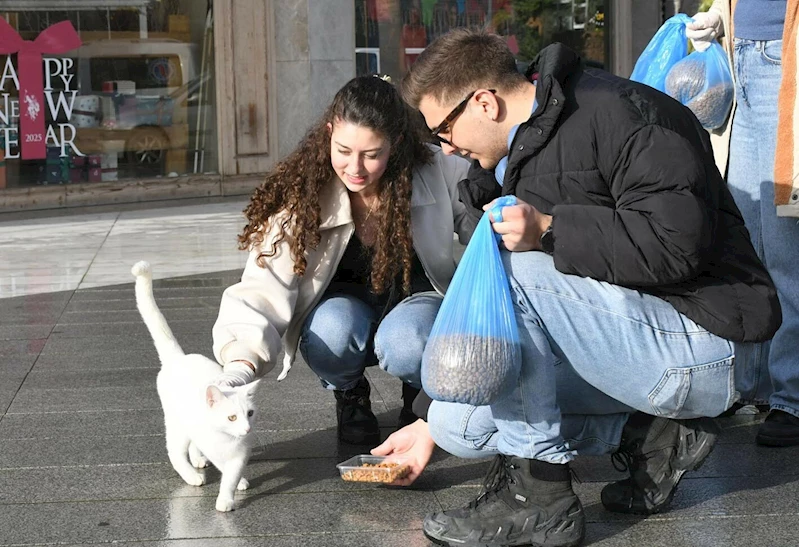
x,y
244,484
194,479
224,504
200,462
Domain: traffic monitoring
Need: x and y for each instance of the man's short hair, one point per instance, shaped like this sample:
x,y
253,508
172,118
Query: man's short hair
x,y
459,62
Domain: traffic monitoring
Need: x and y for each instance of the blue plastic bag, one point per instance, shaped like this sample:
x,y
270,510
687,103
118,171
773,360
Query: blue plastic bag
x,y
703,82
666,47
473,355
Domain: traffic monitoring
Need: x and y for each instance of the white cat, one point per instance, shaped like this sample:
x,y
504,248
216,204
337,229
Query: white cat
x,y
203,422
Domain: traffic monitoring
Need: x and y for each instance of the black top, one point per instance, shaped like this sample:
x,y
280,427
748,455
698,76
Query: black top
x,y
353,277
628,174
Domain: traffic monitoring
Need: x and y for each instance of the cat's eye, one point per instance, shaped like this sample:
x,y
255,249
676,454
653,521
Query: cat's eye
x,y
232,418
250,413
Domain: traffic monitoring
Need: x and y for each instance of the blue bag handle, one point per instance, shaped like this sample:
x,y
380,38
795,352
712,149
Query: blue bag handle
x,y
496,211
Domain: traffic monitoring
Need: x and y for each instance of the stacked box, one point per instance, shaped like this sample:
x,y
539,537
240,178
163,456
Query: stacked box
x,y
77,168
95,168
41,173
126,111
108,166
53,165
86,112
155,111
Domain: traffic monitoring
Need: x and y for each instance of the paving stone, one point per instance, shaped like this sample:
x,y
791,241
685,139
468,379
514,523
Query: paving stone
x,y
77,399
131,328
772,530
141,341
97,361
126,291
181,517
66,451
98,423
25,332
172,315
10,348
210,303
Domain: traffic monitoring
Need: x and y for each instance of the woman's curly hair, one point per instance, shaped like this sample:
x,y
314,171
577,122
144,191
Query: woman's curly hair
x,y
291,191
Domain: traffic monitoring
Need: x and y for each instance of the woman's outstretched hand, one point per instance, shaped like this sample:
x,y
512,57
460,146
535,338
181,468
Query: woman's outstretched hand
x,y
414,443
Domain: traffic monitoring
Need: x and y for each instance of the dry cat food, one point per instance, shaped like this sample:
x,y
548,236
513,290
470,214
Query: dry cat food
x,y
366,468
468,369
711,104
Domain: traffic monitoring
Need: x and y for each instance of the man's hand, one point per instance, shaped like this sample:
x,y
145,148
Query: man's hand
x,y
414,443
236,373
521,226
707,26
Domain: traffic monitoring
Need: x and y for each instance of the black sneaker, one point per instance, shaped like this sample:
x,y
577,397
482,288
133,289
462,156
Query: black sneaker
x,y
779,429
656,452
514,508
407,416
356,422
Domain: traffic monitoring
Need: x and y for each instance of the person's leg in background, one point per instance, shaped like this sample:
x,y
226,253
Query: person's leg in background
x,y
336,342
776,239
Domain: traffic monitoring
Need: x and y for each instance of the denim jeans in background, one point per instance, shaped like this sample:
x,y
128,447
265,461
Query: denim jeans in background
x,y
750,177
341,337
592,353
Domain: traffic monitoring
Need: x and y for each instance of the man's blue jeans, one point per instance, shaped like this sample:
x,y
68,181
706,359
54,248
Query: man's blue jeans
x,y
773,366
592,353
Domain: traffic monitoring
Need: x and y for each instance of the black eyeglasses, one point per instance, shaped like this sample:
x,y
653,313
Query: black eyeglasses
x,y
450,119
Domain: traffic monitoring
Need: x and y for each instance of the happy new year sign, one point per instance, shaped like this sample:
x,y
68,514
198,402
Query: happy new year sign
x,y
33,80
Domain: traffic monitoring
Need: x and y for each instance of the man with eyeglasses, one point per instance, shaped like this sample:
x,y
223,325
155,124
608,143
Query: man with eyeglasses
x,y
634,284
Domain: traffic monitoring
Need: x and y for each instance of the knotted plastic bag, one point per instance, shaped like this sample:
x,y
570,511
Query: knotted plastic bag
x,y
703,82
473,355
666,47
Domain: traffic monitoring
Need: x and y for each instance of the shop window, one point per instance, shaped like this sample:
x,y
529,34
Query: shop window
x,y
390,34
127,92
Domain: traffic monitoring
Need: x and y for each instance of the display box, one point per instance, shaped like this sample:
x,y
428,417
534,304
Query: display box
x,y
77,174
154,110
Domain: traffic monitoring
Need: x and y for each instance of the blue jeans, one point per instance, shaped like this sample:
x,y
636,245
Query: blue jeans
x,y
342,336
774,366
592,353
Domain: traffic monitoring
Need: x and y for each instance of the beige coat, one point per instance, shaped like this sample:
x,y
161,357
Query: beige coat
x,y
265,312
786,161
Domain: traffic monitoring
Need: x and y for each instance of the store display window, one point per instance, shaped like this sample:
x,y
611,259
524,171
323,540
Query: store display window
x,y
105,90
390,34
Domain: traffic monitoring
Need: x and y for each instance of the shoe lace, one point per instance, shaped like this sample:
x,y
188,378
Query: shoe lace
x,y
495,479
627,458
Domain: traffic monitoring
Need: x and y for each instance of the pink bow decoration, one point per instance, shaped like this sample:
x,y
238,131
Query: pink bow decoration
x,y
58,38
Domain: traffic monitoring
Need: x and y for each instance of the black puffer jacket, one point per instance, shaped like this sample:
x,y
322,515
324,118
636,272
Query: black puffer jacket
x,y
629,177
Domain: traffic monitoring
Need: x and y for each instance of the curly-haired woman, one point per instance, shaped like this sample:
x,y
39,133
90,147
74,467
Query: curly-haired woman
x,y
351,247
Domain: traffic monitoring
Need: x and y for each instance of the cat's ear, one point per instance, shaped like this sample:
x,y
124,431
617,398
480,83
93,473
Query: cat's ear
x,y
213,396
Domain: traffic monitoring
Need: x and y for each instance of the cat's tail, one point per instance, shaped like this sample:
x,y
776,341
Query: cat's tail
x,y
165,342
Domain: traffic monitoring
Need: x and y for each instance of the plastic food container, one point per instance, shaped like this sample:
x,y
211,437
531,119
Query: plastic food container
x,y
368,468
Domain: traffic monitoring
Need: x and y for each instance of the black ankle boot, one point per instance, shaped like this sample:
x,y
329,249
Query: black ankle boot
x,y
657,452
515,508
356,422
407,416
779,429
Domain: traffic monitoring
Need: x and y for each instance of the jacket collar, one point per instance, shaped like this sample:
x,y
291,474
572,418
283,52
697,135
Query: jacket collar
x,y
549,70
335,205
